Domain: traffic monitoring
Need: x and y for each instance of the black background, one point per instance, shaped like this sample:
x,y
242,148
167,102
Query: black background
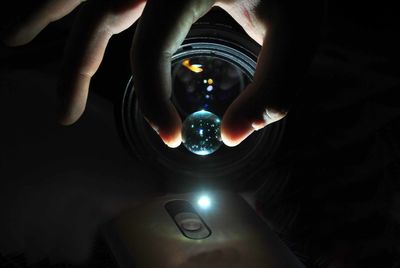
x,y
332,193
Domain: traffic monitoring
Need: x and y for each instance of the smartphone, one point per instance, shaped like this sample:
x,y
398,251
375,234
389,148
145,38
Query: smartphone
x,y
196,230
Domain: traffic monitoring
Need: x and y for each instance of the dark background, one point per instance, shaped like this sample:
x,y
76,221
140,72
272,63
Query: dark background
x,y
333,191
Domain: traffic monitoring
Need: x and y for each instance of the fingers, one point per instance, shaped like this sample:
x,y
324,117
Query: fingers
x,y
287,50
97,22
266,100
249,113
162,28
27,29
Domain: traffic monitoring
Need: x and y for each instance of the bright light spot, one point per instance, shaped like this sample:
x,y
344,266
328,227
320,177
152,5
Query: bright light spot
x,y
210,81
196,68
207,96
205,81
210,88
204,202
201,132
202,152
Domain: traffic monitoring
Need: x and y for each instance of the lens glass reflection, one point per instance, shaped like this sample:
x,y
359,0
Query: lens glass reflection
x,y
206,83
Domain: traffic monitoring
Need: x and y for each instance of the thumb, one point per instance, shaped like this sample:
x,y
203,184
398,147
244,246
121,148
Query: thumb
x,y
250,112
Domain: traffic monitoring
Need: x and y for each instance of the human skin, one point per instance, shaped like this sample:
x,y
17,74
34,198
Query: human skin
x,y
287,31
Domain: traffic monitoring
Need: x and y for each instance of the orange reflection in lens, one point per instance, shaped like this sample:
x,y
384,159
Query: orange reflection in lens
x,y
196,68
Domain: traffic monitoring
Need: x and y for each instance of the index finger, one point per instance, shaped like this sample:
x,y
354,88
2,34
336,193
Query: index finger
x,y
287,50
162,28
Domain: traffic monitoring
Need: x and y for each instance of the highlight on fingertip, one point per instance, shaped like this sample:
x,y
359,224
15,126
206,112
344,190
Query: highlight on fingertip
x,y
228,142
171,138
154,127
233,141
172,142
272,115
259,125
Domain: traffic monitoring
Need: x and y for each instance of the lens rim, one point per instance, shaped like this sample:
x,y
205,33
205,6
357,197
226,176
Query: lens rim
x,y
242,164
204,50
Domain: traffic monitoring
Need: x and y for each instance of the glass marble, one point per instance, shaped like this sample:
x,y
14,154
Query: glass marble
x,y
201,133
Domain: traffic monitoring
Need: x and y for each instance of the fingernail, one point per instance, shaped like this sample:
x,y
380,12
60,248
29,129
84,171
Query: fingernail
x,y
275,114
271,115
258,125
154,127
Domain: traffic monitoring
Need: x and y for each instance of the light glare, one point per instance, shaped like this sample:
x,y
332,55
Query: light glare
x,y
204,201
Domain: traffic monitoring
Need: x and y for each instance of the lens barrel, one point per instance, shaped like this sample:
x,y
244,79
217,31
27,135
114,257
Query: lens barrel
x,y
227,58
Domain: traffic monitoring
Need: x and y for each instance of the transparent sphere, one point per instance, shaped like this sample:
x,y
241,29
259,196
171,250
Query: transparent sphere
x,y
201,133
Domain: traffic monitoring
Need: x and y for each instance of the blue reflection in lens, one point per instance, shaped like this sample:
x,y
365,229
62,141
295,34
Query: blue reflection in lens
x,y
201,133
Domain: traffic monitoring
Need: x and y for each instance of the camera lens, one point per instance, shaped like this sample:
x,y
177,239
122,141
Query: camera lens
x,y
208,72
206,83
207,79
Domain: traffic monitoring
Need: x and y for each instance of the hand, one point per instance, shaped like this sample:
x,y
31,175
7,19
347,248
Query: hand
x,y
286,30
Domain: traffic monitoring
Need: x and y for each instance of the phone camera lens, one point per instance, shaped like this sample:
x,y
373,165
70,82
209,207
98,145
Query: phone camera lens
x,y
191,225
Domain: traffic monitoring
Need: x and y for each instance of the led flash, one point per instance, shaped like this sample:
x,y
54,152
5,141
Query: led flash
x,y
204,202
